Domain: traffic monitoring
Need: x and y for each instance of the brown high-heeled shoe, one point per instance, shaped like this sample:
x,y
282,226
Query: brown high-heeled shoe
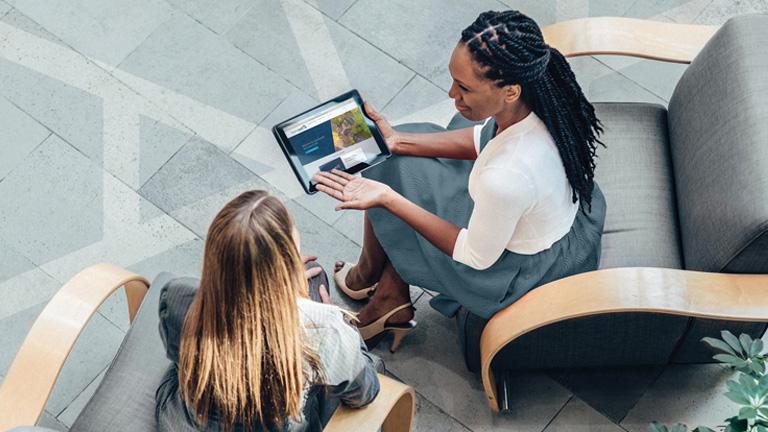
x,y
340,277
372,332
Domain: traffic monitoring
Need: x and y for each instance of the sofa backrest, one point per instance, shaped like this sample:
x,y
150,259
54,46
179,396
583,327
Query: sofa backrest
x,y
718,127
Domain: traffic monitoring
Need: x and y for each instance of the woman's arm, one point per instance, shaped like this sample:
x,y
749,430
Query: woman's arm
x,y
455,144
436,230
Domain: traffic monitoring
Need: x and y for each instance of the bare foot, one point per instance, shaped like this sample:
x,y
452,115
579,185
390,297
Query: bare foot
x,y
354,280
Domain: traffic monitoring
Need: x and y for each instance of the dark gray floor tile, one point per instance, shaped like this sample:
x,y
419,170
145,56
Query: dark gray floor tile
x,y
719,11
577,416
611,391
315,53
19,135
186,57
430,418
25,289
418,95
332,8
108,31
48,420
197,171
351,225
159,142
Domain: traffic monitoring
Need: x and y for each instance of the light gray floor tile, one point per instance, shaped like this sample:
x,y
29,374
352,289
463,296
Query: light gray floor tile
x,y
19,135
49,420
26,289
197,171
182,260
416,36
685,13
315,53
186,57
22,22
218,16
12,263
296,103
4,8
430,418
14,329
602,84
691,394
719,11
653,8
351,225
659,78
108,31
611,391
94,350
418,95
69,415
430,360
332,8
54,180
577,416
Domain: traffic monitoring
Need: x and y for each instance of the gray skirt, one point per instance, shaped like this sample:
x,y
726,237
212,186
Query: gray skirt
x,y
440,186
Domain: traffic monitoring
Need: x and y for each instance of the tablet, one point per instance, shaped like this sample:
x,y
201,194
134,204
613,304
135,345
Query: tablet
x,y
335,134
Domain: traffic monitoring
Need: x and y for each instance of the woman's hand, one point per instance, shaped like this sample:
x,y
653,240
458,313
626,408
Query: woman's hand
x,y
390,134
354,192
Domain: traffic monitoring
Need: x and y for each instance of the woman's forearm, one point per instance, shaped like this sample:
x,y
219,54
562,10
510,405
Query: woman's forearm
x,y
436,230
455,144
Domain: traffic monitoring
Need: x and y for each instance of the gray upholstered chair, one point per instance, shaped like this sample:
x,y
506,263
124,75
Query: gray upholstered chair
x,y
125,399
685,246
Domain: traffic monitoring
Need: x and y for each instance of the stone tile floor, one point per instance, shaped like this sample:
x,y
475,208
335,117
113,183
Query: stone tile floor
x,y
125,125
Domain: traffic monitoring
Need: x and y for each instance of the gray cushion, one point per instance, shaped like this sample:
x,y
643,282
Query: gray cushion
x,y
125,399
635,174
718,122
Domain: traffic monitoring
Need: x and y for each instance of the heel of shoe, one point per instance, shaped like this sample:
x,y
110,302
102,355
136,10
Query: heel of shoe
x,y
398,334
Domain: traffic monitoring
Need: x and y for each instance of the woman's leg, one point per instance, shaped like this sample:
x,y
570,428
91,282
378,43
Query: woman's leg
x,y
371,263
391,292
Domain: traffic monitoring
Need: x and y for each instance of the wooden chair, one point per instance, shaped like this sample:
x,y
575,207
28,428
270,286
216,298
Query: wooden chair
x,y
34,371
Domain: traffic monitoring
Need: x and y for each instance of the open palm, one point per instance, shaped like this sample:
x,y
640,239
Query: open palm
x,y
353,192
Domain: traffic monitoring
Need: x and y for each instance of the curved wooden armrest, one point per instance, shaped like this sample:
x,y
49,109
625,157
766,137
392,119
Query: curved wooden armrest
x,y
735,297
678,43
391,411
33,373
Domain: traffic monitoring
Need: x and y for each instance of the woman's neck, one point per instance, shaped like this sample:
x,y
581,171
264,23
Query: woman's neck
x,y
507,118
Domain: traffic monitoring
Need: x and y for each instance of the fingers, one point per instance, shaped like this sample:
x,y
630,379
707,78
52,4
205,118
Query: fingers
x,y
345,176
351,205
308,258
371,112
331,180
333,193
324,296
314,271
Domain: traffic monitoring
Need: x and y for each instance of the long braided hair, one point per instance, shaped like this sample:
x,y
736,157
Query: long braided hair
x,y
511,49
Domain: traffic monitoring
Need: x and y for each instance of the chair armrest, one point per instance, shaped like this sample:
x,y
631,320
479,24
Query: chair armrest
x,y
735,297
34,371
391,411
677,43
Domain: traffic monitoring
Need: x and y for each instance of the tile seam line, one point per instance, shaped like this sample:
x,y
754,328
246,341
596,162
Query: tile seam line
x,y
389,102
144,183
350,7
647,389
551,420
632,80
81,392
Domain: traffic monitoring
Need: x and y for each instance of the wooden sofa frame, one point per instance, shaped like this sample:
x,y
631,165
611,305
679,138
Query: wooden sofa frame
x,y
734,297
37,365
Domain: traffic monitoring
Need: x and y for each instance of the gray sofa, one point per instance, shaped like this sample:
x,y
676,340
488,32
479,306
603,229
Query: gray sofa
x,y
686,189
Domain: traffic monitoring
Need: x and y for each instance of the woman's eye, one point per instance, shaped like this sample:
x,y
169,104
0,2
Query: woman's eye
x,y
463,88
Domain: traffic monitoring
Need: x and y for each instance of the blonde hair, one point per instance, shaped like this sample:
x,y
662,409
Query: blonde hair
x,y
242,356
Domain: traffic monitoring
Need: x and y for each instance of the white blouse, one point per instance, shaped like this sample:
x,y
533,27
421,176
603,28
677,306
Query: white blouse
x,y
521,194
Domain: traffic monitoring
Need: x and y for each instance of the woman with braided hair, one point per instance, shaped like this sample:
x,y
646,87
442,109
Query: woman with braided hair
x,y
479,212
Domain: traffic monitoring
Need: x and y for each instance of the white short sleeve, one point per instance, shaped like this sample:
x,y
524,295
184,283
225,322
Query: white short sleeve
x,y
502,196
476,134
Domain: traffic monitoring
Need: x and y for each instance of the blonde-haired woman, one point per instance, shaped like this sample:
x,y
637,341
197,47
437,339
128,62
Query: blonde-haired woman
x,y
254,352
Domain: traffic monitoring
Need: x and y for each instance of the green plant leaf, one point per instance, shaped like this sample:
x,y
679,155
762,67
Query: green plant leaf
x,y
730,360
756,348
760,428
737,397
731,340
679,427
757,367
747,413
720,345
746,342
657,427
736,425
703,429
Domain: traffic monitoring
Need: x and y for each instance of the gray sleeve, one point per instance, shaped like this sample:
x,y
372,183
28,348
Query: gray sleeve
x,y
175,298
362,389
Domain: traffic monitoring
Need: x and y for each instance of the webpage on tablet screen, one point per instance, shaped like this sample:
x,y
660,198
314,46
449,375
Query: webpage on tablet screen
x,y
335,138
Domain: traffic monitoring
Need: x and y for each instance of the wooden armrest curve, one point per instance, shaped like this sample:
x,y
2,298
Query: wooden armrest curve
x,y
34,370
735,297
671,42
391,411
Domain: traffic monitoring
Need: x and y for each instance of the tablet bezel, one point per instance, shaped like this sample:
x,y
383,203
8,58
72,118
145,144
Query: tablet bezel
x,y
298,169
